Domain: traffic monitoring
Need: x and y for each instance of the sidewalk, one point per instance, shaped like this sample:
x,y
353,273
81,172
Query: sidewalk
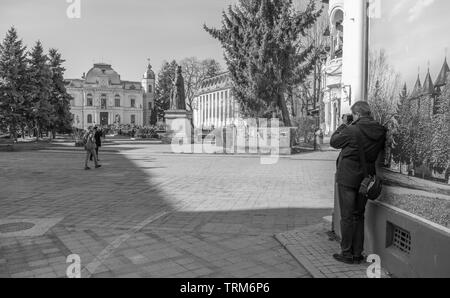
x,y
313,249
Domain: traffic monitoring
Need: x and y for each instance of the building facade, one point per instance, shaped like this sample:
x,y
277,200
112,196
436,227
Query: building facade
x,y
214,105
101,98
345,71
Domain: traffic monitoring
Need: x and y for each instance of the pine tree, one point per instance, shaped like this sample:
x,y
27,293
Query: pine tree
x,y
61,120
265,52
401,149
440,156
41,88
421,135
164,85
13,83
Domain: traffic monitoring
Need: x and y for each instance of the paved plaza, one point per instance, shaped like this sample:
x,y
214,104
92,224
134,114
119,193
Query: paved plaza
x,y
146,213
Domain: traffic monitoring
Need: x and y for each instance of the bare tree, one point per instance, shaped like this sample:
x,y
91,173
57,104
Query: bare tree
x,y
384,89
195,71
384,95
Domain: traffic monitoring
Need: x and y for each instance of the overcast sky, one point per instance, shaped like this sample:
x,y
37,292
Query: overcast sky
x,y
122,33
413,32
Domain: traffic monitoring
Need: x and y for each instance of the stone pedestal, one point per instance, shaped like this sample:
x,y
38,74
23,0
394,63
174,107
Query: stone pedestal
x,y
179,130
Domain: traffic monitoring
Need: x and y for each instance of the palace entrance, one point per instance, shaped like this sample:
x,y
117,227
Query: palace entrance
x,y
104,118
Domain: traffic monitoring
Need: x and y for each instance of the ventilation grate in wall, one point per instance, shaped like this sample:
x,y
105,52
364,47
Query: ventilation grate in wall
x,y
402,239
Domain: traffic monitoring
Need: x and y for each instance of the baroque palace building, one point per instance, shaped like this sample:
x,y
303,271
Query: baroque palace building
x,y
101,98
214,105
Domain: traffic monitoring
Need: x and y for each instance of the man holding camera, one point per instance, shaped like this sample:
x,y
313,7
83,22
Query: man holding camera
x,y
356,130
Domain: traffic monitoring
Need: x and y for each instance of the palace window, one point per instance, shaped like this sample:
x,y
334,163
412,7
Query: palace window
x,y
103,101
89,100
117,101
133,103
133,119
150,88
89,119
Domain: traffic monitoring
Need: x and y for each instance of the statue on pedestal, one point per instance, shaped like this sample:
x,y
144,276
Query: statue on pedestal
x,y
178,96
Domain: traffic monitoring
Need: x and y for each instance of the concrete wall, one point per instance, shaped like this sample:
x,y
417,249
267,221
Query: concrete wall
x,y
430,243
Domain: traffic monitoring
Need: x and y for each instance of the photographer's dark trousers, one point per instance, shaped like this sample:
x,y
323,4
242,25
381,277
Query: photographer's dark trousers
x,y
353,207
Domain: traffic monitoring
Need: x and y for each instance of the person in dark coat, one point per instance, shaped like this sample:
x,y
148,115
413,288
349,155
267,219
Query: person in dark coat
x,y
98,140
350,175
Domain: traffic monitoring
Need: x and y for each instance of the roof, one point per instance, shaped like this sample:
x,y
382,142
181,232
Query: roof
x,y
428,87
442,78
221,81
102,70
417,91
149,74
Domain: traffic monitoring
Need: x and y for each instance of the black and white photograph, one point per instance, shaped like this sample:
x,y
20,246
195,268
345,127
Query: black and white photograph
x,y
224,145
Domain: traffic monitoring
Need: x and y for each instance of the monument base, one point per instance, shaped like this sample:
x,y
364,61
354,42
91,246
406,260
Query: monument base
x,y
179,129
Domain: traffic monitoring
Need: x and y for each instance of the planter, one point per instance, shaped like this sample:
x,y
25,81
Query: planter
x,y
409,246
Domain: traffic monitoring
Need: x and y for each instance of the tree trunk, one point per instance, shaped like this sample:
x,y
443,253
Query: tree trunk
x,y
284,110
37,132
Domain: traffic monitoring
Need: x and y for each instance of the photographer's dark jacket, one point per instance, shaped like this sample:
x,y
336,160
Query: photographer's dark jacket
x,y
349,168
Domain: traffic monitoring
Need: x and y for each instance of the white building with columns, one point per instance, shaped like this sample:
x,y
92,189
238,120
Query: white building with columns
x,y
345,72
101,98
214,105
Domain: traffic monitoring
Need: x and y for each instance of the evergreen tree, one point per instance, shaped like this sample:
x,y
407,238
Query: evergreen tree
x,y
164,85
266,53
154,116
41,88
61,120
13,83
423,134
440,156
401,147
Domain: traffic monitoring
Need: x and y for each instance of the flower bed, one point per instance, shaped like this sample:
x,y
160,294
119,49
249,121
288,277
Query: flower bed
x,y
432,208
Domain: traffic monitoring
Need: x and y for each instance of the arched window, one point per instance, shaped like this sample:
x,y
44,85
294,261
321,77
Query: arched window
x,y
89,119
117,101
89,100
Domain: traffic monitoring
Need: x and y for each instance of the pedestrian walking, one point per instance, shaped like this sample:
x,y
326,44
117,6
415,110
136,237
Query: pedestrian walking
x,y
89,146
358,131
98,142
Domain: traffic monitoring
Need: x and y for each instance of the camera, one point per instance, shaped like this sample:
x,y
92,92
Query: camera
x,y
347,119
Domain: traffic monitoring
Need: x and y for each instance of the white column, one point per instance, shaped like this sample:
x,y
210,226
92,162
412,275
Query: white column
x,y
199,112
225,111
327,117
204,110
211,109
354,52
224,108
218,109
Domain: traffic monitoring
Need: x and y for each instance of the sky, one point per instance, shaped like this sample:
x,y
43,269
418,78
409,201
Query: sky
x,y
124,33
413,33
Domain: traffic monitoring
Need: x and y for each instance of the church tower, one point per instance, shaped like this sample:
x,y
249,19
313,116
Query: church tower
x,y
149,85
